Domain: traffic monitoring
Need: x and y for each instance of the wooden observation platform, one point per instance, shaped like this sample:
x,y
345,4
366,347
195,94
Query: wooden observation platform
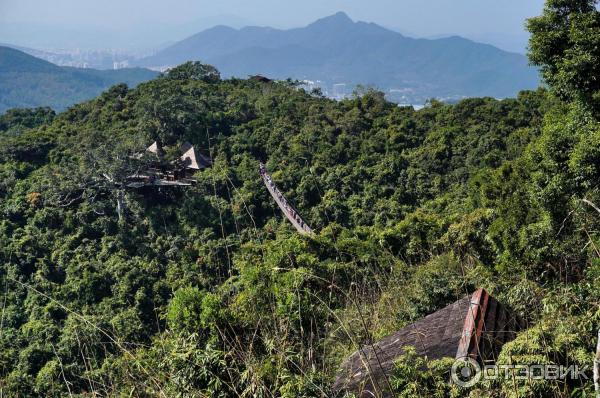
x,y
169,174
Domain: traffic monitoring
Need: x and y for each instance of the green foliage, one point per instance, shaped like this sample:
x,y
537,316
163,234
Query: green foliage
x,y
548,343
15,121
190,311
215,261
194,71
207,291
565,44
416,377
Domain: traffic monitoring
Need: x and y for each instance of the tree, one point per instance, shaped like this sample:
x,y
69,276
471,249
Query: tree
x,y
194,70
565,44
104,170
15,121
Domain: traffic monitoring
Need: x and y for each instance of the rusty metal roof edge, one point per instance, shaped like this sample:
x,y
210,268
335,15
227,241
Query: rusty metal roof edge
x,y
468,346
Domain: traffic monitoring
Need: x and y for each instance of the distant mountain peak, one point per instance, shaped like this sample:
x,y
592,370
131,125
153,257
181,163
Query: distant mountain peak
x,y
339,18
341,15
336,49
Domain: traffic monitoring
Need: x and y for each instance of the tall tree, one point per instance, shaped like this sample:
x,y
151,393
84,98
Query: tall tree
x,y
565,44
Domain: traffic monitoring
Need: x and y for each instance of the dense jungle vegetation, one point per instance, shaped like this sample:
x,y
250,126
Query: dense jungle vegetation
x,y
208,292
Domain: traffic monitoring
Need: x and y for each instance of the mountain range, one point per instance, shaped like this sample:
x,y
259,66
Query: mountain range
x,y
331,51
337,50
27,81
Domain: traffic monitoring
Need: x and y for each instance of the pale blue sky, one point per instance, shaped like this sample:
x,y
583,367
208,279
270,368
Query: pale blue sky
x,y
107,23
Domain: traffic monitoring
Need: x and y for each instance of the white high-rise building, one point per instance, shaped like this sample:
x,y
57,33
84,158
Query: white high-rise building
x,y
339,91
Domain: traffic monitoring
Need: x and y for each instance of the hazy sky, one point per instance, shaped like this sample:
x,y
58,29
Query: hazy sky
x,y
143,22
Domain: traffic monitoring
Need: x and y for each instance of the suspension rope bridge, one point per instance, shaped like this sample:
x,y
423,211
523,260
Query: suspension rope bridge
x,y
288,210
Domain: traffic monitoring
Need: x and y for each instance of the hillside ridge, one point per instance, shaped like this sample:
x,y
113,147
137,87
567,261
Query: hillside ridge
x,y
337,50
27,81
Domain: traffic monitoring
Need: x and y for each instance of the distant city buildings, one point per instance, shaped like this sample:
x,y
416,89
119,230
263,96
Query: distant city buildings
x,y
78,58
161,69
310,85
405,96
120,65
410,95
339,91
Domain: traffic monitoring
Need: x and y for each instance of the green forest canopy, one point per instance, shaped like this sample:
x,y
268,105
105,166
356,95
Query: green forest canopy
x,y
207,291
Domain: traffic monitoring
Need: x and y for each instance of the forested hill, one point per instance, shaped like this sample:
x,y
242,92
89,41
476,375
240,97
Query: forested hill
x,y
207,291
27,81
336,49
